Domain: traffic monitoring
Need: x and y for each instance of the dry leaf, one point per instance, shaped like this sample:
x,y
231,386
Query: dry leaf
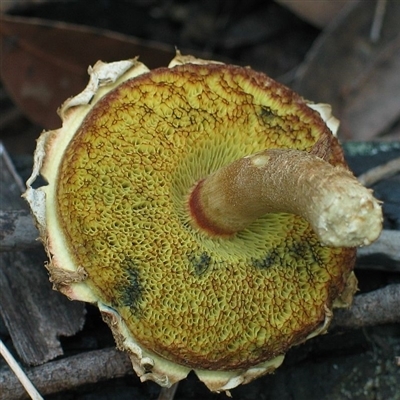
x,y
43,63
358,75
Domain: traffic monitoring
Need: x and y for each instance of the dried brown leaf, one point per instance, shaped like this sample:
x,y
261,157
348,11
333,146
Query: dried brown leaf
x,y
43,62
358,72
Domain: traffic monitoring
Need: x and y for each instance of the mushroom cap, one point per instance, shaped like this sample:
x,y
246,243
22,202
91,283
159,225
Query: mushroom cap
x,y
113,217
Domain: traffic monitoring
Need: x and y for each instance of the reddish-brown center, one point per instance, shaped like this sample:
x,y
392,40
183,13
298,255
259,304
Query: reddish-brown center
x,y
199,217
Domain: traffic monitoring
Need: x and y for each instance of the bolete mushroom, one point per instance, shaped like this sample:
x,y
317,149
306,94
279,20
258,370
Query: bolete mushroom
x,y
206,209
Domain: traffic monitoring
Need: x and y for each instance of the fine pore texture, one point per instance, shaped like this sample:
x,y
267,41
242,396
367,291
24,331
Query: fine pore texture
x,y
116,221
121,198
341,211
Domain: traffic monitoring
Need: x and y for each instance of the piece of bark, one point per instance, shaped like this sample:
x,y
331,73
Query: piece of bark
x,y
33,313
374,308
68,373
17,231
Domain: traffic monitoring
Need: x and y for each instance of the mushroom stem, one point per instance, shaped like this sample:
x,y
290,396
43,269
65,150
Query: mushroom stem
x,y
340,210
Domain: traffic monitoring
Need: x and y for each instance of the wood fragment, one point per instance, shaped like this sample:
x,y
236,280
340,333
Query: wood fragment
x,y
34,314
68,373
374,308
17,231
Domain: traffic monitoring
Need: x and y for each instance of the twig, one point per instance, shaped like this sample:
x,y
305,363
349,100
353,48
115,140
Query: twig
x,y
69,373
20,374
375,308
380,172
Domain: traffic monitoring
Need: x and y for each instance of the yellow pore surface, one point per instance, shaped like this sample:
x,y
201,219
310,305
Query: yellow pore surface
x,y
122,188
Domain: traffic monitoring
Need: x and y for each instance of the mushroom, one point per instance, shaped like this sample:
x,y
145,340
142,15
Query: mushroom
x,y
208,212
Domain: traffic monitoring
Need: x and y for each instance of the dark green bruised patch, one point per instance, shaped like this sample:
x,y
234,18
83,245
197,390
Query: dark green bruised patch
x,y
129,290
295,253
200,263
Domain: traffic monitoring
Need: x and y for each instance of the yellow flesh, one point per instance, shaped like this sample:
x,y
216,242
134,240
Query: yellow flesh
x,y
122,186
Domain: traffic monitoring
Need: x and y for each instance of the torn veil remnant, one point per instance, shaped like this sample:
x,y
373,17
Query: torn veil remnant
x,y
206,209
